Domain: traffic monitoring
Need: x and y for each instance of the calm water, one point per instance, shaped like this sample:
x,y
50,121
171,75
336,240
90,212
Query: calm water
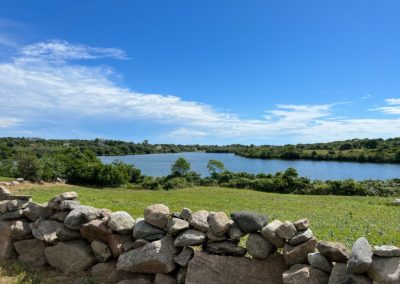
x,y
160,164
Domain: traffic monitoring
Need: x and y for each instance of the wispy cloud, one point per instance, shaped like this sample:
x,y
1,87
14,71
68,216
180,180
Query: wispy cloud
x,y
41,85
8,122
393,108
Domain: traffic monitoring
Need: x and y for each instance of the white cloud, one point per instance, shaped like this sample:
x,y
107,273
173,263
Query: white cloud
x,y
41,85
393,108
8,122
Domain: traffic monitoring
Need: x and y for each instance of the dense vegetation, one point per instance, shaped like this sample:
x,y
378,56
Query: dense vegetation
x,y
361,150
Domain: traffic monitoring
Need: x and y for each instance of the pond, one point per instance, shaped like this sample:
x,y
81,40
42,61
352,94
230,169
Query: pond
x,y
160,164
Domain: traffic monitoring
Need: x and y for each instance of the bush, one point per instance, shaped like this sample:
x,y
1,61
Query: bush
x,y
28,167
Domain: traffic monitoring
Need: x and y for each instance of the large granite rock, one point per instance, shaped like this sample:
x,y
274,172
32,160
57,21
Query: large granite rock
x,y
31,252
286,230
219,223
6,241
224,248
335,252
101,251
143,230
95,230
117,242
155,257
386,251
70,257
157,215
301,237
385,270
199,220
121,222
317,260
176,225
184,256
249,222
205,269
46,230
360,257
341,275
259,247
190,237
34,211
79,216
269,233
234,232
299,254
304,274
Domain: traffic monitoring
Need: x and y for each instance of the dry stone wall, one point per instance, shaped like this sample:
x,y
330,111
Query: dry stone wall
x,y
186,247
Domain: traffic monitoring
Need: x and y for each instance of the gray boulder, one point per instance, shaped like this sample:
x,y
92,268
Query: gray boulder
x,y
186,213
224,248
286,230
302,224
46,230
69,204
157,215
121,222
34,211
70,257
234,232
117,243
59,216
65,234
164,279
249,222
341,275
80,215
213,238
301,237
155,257
319,261
199,220
190,237
219,223
385,270
3,206
12,215
143,230
95,230
386,251
101,251
269,233
5,194
20,229
31,252
304,274
184,256
16,204
259,247
335,252
176,225
299,254
360,257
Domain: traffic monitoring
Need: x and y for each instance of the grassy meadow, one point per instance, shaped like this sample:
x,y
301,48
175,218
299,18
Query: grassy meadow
x,y
336,218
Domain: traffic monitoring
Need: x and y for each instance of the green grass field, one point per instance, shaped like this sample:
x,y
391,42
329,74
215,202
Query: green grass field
x,y
337,218
6,179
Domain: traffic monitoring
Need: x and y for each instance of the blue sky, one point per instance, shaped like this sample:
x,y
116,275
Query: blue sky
x,y
209,72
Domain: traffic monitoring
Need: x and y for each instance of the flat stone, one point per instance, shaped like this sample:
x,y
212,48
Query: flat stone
x,y
234,232
176,225
184,256
269,233
319,261
386,251
360,257
186,213
155,257
301,237
164,279
95,230
219,223
34,211
31,252
157,215
190,237
65,234
341,275
121,222
46,230
199,220
302,225
70,195
143,230
12,215
69,204
249,222
101,251
259,247
286,230
385,270
224,248
207,268
299,254
335,252
116,243
80,215
304,274
70,257
16,204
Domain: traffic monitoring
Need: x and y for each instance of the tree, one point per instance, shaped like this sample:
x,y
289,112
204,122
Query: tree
x,y
28,167
180,168
215,167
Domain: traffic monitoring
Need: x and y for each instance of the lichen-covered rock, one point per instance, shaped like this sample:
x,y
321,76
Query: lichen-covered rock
x,y
385,270
386,251
184,256
299,254
259,247
95,230
157,215
333,251
360,257
286,230
121,222
70,257
31,252
176,225
301,237
249,222
190,237
224,248
69,204
116,243
101,251
199,220
319,261
341,275
46,230
143,230
305,274
302,224
205,268
155,257
219,223
269,233
79,216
